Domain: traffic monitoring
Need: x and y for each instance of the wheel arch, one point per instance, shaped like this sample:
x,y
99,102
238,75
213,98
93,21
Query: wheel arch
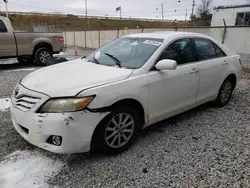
x,y
42,45
133,103
233,78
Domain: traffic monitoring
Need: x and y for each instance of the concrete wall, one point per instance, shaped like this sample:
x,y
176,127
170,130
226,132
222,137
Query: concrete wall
x,y
237,38
228,14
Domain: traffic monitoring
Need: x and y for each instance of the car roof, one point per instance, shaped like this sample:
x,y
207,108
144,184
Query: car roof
x,y
167,34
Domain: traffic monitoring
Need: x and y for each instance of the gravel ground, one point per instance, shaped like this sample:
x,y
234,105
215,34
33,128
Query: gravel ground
x,y
204,147
10,141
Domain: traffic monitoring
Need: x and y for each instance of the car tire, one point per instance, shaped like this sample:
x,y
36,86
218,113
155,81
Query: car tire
x,y
114,135
42,56
225,93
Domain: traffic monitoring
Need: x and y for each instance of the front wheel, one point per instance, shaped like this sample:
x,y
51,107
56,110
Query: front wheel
x,y
225,93
117,131
42,56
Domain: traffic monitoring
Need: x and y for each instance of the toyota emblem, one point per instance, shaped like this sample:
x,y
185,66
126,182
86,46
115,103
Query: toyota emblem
x,y
16,91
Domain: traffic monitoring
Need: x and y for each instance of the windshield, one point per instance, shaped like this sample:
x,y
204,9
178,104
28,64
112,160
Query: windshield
x,y
129,52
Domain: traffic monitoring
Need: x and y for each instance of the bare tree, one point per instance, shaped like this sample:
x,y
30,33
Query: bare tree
x,y
248,1
205,8
203,12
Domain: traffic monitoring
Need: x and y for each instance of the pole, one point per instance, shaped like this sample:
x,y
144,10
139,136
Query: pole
x,y
120,13
86,9
224,32
186,14
193,5
162,11
6,7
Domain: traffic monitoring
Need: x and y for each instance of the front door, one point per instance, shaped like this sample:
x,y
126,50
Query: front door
x,y
175,90
7,42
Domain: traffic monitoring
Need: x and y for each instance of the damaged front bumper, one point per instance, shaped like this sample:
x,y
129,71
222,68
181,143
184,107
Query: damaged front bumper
x,y
76,129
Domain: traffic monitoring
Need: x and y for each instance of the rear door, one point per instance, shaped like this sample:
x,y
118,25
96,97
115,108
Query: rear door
x,y
7,42
212,65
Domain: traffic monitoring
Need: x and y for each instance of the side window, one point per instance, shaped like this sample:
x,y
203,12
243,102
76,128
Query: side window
x,y
3,29
205,49
219,51
181,51
240,19
243,18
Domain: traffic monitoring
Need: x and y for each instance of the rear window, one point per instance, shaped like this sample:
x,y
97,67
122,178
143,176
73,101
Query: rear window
x,y
3,29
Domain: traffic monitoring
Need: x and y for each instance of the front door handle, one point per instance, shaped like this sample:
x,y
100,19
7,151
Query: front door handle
x,y
193,71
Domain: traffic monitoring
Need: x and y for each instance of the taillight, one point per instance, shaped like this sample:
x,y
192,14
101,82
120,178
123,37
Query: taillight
x,y
61,39
240,61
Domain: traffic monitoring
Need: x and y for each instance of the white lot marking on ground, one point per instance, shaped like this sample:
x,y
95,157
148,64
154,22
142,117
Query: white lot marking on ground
x,y
4,104
27,169
8,61
23,69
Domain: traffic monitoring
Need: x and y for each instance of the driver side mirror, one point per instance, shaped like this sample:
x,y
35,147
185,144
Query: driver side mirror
x,y
166,64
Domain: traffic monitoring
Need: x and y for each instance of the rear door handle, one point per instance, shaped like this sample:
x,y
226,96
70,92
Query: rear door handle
x,y
225,63
193,71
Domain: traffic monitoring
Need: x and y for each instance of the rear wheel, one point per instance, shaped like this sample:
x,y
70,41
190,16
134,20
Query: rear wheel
x,y
117,131
42,56
225,93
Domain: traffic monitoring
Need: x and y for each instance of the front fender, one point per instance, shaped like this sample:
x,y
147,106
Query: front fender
x,y
107,95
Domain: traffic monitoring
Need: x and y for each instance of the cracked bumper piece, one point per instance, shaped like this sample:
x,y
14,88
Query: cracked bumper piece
x,y
76,129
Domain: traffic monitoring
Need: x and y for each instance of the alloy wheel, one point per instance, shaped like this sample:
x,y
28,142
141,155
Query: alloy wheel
x,y
44,57
119,130
226,91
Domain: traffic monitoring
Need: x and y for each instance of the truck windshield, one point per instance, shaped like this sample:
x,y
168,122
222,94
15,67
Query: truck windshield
x,y
131,52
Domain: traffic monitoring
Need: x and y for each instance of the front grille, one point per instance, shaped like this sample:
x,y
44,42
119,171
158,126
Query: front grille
x,y
25,102
24,129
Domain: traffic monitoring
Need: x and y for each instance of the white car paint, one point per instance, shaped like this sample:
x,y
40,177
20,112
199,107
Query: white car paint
x,y
162,94
61,76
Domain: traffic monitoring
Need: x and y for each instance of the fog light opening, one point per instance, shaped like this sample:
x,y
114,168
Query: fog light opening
x,y
56,140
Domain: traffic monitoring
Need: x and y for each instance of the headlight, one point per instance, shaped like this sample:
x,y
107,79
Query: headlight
x,y
65,105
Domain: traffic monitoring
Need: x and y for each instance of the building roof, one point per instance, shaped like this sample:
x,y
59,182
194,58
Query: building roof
x,y
232,6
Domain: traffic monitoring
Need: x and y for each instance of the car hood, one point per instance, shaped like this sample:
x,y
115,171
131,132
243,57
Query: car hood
x,y
69,78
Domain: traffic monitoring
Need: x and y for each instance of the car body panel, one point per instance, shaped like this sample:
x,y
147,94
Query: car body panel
x,y
76,129
72,77
179,87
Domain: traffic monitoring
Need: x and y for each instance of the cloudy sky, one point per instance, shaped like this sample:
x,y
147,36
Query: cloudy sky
x,y
130,8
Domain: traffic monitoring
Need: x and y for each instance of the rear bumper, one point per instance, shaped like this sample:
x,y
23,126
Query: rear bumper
x,y
76,129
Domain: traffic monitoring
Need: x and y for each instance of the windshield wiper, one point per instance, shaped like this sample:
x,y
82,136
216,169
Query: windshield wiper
x,y
117,61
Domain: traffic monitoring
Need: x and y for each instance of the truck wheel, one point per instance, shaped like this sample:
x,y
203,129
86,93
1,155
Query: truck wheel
x,y
42,56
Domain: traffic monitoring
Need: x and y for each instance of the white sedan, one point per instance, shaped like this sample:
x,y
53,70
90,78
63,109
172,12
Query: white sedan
x,y
102,100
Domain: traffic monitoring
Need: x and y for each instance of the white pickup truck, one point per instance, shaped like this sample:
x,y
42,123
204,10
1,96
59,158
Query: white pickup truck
x,y
28,47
